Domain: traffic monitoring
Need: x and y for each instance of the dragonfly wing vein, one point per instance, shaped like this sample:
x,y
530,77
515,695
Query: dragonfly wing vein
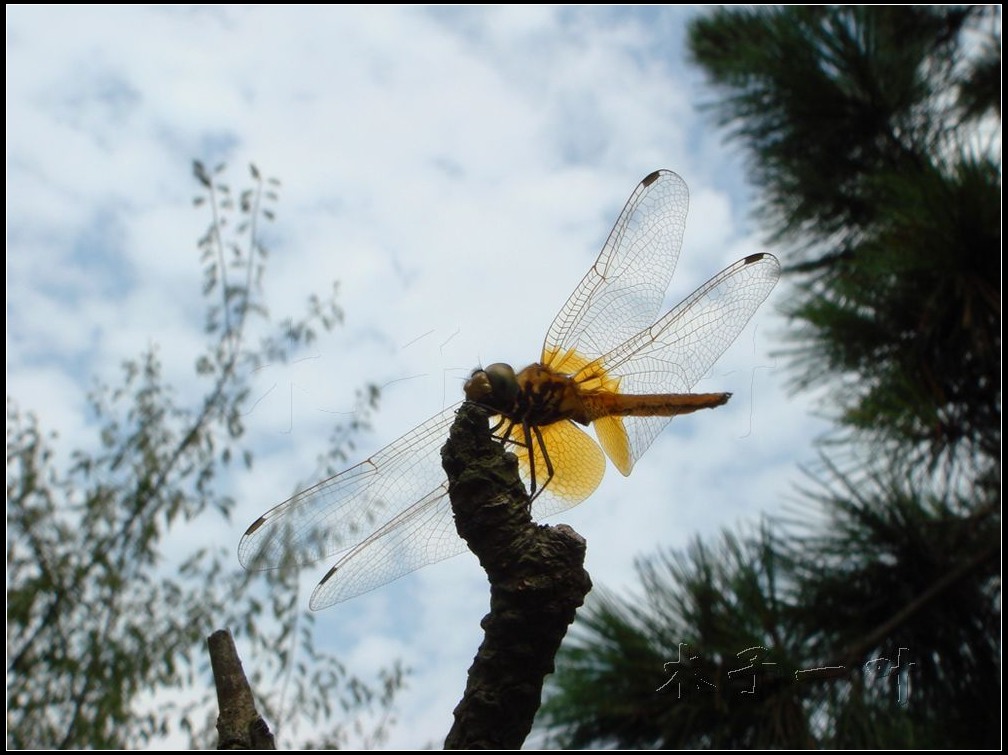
x,y
344,510
423,534
623,292
681,347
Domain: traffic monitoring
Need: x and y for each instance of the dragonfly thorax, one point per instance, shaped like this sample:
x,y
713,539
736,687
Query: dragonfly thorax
x,y
537,395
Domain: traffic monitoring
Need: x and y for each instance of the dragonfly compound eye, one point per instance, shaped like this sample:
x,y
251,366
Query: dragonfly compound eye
x,y
495,386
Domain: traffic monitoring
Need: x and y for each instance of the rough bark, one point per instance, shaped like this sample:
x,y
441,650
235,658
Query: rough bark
x,y
537,581
239,725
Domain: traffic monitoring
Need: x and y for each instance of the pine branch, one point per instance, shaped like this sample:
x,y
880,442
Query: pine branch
x,y
950,579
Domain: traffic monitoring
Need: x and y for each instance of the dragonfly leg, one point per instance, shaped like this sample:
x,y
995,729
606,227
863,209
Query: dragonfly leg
x,y
546,460
532,438
531,458
530,431
505,437
495,428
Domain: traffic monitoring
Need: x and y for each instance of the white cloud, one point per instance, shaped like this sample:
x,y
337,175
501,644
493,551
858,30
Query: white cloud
x,y
457,170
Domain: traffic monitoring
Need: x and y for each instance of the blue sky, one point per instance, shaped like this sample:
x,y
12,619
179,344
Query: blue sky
x,y
456,170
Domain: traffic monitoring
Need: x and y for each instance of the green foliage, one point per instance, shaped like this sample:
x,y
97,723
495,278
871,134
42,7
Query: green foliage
x,y
105,629
865,134
665,669
825,97
873,135
799,635
897,565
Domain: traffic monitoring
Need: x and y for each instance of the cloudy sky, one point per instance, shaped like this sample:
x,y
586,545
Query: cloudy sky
x,y
456,170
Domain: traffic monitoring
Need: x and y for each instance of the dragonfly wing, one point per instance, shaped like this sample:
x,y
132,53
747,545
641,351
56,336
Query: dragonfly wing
x,y
423,534
679,349
577,462
344,510
623,292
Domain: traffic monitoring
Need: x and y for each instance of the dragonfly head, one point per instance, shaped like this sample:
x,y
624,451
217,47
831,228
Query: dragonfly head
x,y
494,386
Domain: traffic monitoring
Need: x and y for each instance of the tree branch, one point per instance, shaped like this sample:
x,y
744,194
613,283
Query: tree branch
x,y
537,581
239,725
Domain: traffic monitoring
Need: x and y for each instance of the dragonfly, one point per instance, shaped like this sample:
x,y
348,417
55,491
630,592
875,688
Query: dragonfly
x,y
608,360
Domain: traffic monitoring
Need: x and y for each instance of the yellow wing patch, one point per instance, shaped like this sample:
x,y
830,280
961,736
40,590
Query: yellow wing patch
x,y
578,463
566,362
612,435
587,373
593,378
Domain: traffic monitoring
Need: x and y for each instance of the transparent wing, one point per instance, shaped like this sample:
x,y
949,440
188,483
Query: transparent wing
x,y
346,509
392,510
623,292
423,534
679,349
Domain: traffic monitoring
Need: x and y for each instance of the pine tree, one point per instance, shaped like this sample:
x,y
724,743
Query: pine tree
x,y
873,136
